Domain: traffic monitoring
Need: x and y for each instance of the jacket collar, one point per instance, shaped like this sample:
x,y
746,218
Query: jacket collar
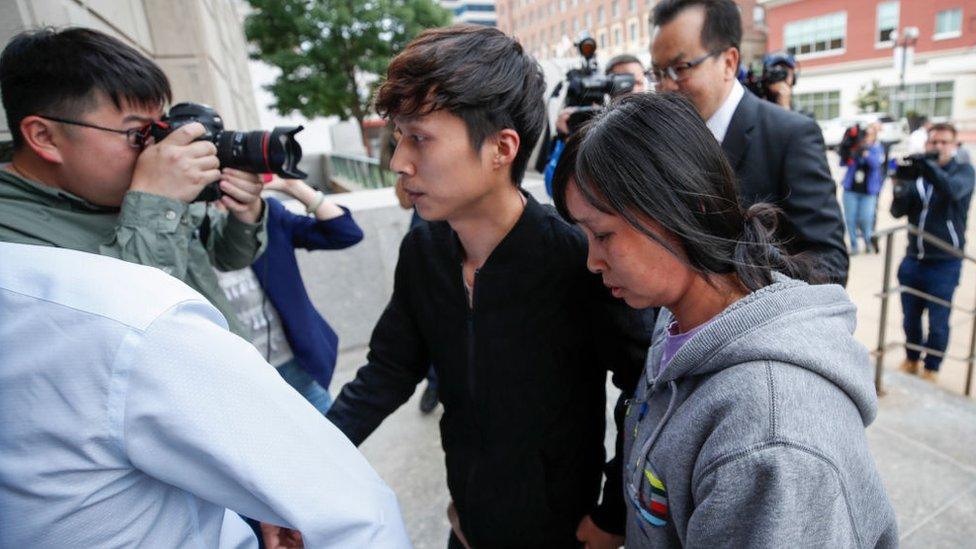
x,y
739,134
518,244
48,196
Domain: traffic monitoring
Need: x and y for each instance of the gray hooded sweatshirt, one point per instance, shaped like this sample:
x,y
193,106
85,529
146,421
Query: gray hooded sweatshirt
x,y
753,435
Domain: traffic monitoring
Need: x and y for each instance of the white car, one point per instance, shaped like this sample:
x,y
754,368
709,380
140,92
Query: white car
x,y
892,131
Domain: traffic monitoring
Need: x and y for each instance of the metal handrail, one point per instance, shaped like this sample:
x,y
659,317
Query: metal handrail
x,y
356,171
887,291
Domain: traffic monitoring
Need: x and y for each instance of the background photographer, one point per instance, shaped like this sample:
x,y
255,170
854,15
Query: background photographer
x,y
934,190
781,71
862,182
86,176
576,112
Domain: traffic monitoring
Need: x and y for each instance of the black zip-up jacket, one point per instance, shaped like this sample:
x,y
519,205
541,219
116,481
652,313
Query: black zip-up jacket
x,y
937,203
522,376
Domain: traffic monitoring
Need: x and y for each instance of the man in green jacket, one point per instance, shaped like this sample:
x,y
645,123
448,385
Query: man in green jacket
x,y
85,176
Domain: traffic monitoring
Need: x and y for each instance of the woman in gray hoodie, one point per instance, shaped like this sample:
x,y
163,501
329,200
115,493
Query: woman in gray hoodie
x,y
747,428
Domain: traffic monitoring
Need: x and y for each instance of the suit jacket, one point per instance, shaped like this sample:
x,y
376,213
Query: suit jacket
x,y
778,157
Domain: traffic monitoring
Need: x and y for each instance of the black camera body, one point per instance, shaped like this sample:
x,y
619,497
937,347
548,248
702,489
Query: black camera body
x,y
587,89
903,177
759,84
259,151
912,166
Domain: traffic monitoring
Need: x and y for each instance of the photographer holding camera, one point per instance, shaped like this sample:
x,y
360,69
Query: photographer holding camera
x,y
92,170
586,94
934,190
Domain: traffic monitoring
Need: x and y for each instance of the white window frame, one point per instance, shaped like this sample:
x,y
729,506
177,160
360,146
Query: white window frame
x,y
878,44
946,35
814,28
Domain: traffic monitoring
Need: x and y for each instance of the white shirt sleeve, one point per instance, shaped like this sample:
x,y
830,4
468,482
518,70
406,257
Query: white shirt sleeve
x,y
204,412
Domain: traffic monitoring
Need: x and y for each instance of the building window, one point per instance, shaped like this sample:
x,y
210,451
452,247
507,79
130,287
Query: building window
x,y
929,99
887,21
823,105
615,9
824,34
948,23
758,16
603,39
616,36
589,22
599,15
576,24
633,31
632,6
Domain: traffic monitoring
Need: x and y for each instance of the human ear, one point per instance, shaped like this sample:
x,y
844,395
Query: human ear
x,y
506,145
731,59
41,138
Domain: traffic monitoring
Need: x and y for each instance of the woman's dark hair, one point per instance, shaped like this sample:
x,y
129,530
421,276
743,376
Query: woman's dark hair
x,y
56,73
651,157
476,73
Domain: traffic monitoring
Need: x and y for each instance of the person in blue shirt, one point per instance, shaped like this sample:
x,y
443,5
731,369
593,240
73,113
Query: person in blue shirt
x,y
937,203
270,299
862,183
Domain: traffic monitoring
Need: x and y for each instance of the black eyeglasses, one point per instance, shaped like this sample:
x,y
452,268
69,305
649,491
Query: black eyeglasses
x,y
678,72
135,137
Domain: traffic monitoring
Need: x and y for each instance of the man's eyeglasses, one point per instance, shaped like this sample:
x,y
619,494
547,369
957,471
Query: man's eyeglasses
x,y
135,137
679,71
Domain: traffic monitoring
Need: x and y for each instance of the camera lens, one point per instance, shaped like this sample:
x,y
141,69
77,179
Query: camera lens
x,y
276,151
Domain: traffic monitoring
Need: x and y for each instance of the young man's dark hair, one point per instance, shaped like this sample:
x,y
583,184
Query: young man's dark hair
x,y
55,73
723,23
446,69
622,59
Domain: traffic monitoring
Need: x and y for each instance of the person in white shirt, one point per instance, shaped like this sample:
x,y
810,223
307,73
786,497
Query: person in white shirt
x,y
132,418
920,137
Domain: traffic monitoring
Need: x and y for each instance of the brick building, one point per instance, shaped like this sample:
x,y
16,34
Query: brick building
x,y
845,47
477,12
548,28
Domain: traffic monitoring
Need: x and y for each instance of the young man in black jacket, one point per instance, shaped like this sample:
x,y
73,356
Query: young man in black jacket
x,y
495,294
937,203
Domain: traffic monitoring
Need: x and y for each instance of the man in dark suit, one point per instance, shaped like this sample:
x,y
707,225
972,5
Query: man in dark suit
x,y
777,155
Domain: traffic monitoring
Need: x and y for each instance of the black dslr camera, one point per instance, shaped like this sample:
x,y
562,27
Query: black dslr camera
x,y
910,168
258,151
587,89
775,68
903,178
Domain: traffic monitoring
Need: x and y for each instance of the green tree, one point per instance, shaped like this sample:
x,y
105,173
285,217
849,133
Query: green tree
x,y
872,98
332,52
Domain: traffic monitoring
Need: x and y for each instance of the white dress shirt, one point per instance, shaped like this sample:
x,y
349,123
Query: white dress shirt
x,y
132,418
719,122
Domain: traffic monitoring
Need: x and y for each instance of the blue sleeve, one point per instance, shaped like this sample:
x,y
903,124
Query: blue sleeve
x,y
557,151
957,184
875,157
314,234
